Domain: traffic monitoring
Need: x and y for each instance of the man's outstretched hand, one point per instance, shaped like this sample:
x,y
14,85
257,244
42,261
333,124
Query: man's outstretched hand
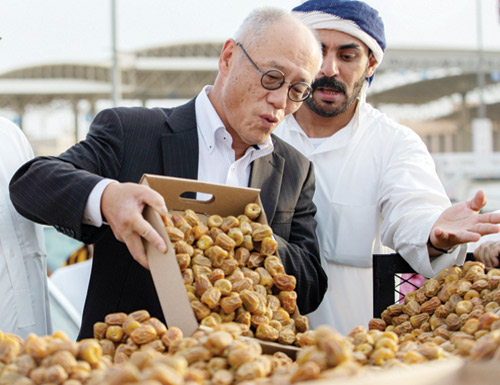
x,y
122,205
462,223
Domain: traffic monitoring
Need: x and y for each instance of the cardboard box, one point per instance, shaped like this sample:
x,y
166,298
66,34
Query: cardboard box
x,y
167,277
453,371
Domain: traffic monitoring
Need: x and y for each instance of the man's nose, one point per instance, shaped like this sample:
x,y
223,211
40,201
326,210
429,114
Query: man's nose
x,y
330,66
278,98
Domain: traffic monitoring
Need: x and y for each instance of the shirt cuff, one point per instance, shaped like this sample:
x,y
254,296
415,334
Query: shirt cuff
x,y
92,214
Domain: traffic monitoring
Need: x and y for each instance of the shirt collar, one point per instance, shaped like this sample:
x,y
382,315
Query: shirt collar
x,y
207,119
262,149
340,139
209,122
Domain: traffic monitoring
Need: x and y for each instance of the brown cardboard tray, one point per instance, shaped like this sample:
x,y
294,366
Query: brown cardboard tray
x,y
452,371
167,277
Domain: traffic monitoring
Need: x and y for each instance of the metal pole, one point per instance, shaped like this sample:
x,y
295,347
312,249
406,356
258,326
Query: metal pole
x,y
74,103
115,71
480,73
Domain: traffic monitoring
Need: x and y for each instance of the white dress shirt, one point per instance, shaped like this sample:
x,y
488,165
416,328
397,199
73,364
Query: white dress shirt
x,y
216,161
376,191
24,298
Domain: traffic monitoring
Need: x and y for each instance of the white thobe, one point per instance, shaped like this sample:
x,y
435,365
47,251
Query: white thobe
x,y
24,299
376,191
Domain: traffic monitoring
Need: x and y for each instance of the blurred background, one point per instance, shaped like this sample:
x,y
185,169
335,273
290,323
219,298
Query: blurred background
x,y
63,61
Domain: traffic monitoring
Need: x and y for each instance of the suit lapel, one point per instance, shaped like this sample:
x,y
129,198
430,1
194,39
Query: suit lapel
x,y
266,175
180,144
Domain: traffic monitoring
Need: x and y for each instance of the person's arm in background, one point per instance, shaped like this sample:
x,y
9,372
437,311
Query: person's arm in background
x,y
487,249
22,248
488,253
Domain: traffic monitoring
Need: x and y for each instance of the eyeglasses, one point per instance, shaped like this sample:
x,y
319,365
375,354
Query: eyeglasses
x,y
273,79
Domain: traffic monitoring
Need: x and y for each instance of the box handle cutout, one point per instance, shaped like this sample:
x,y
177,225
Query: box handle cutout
x,y
197,197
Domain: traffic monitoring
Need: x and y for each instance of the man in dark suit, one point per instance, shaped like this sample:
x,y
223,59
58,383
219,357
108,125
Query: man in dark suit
x,y
221,136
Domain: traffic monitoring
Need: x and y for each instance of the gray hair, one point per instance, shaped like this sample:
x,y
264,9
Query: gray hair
x,y
254,27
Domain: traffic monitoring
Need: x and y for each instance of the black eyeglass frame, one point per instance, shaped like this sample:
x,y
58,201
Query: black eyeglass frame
x,y
307,92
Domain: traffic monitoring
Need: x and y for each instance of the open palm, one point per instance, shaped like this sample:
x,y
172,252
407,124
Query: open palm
x,y
463,222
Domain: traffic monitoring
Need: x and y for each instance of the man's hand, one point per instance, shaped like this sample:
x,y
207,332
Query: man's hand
x,y
487,253
462,223
122,205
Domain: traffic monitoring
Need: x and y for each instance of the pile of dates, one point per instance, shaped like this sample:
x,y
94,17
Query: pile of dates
x,y
221,356
456,313
53,359
232,273
238,289
122,334
210,356
149,353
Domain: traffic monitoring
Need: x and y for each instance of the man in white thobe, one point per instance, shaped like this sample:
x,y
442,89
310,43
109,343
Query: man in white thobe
x,y
24,298
376,185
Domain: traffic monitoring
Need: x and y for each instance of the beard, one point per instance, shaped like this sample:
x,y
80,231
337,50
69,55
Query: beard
x,y
327,109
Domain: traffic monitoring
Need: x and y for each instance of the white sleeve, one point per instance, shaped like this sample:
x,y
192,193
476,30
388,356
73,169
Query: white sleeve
x,y
412,198
92,213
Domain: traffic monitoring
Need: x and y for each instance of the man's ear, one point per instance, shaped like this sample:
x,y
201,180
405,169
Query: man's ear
x,y
372,65
227,55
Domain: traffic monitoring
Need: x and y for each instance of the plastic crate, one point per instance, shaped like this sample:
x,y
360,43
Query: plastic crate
x,y
388,270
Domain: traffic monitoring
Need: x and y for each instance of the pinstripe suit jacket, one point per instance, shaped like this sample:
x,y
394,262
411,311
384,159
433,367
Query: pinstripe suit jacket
x,y
125,143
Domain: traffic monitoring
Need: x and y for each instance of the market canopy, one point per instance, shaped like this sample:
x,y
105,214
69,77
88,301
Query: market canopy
x,y
179,71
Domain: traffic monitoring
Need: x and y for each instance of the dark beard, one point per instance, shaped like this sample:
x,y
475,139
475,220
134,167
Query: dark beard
x,y
337,86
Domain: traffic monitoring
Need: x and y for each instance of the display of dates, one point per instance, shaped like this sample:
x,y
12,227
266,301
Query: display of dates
x,y
456,313
137,348
238,288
